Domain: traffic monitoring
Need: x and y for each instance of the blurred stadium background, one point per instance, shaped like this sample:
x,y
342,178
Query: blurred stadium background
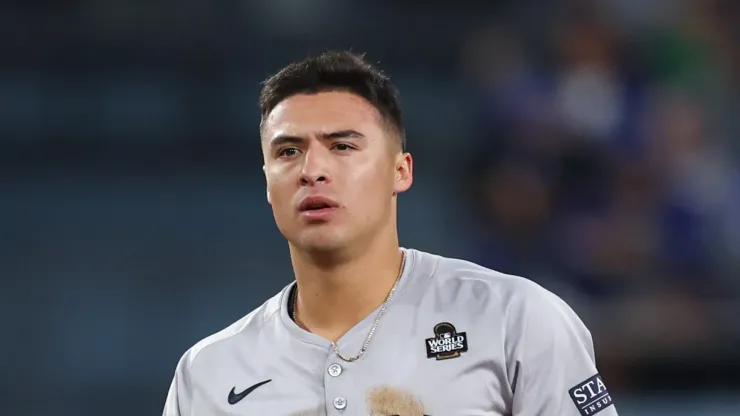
x,y
590,146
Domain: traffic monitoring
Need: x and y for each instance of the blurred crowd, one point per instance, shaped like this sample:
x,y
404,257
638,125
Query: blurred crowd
x,y
606,167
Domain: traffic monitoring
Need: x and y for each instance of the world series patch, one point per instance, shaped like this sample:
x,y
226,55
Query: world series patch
x,y
591,396
447,342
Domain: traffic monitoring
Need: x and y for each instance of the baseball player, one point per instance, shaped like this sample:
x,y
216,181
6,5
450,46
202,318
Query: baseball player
x,y
369,327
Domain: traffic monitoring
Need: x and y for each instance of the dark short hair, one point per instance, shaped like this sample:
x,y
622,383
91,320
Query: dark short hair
x,y
336,71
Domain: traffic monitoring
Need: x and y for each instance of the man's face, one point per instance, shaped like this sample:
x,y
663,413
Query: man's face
x,y
332,170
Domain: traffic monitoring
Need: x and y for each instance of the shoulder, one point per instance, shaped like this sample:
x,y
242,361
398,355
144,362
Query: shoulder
x,y
238,333
509,289
514,297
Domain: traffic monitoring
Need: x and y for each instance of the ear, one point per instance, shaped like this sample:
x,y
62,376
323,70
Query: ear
x,y
267,184
404,173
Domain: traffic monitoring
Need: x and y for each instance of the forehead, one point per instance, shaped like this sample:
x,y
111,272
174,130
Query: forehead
x,y
306,114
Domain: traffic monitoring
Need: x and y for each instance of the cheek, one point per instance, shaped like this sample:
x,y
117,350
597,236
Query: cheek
x,y
372,188
281,192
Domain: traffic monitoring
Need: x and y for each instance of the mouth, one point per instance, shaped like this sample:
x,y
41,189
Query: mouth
x,y
317,207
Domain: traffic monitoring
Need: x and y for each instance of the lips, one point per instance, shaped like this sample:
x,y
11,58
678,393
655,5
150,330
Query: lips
x,y
316,203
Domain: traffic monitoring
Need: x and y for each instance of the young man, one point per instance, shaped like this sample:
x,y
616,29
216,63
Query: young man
x,y
369,328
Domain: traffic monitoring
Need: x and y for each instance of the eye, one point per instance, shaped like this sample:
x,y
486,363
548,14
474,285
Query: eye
x,y
342,147
288,152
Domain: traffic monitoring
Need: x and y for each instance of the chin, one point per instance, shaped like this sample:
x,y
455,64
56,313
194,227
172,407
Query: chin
x,y
325,240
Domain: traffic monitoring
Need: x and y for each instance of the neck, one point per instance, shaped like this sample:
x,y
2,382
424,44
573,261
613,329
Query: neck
x,y
338,290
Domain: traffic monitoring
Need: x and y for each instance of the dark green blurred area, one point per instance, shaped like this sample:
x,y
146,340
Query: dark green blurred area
x,y
590,146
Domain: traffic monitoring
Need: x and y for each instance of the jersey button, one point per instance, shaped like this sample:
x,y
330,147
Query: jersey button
x,y
340,403
335,370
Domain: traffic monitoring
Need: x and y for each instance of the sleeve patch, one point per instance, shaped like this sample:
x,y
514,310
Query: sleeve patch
x,y
590,396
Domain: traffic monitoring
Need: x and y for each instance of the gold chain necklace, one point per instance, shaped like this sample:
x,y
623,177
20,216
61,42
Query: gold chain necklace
x,y
374,328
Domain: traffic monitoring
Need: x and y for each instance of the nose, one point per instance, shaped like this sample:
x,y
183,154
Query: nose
x,y
314,169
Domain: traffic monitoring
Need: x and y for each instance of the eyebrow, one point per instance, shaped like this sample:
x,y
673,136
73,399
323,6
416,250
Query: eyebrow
x,y
284,139
343,134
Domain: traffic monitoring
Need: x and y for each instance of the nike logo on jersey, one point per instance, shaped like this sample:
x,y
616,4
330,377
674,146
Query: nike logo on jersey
x,y
236,398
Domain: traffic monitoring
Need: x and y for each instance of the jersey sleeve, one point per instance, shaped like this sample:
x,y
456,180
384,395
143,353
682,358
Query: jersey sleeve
x,y
550,360
178,398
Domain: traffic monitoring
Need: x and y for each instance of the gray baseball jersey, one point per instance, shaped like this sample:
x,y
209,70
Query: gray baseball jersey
x,y
457,339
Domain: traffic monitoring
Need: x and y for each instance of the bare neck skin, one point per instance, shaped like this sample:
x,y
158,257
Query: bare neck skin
x,y
338,290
